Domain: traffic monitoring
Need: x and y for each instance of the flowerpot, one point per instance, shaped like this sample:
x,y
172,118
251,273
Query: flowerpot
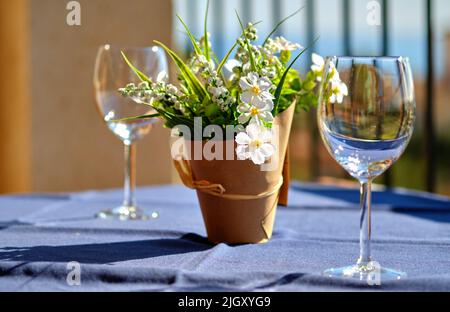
x,y
245,211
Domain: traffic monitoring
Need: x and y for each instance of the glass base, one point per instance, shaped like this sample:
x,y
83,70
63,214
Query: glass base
x,y
125,213
372,273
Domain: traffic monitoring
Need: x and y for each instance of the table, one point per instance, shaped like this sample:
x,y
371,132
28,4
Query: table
x,y
41,233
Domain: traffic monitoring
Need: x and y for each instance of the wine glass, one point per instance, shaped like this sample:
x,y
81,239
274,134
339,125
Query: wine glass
x,y
112,73
366,117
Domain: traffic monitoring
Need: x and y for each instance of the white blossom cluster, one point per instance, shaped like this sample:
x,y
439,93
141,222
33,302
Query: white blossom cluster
x,y
242,90
215,85
219,93
256,99
158,91
337,87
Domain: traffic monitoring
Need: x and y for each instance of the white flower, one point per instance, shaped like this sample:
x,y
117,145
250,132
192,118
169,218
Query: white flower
x,y
203,62
228,71
172,90
255,144
255,114
338,91
318,65
284,45
246,68
256,90
217,91
162,77
338,88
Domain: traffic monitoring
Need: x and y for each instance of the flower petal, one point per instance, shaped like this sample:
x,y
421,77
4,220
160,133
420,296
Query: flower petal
x,y
267,116
247,97
267,150
232,63
333,98
243,118
255,120
243,108
253,130
316,68
242,152
162,76
266,108
262,103
253,78
317,59
264,84
267,95
344,89
257,157
244,84
266,136
242,138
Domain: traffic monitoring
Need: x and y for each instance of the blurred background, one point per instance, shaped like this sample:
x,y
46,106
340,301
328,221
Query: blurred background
x,y
53,138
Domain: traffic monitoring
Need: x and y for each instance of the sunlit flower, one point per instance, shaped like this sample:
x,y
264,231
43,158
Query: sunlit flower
x,y
255,114
162,77
229,69
318,65
255,144
285,45
256,90
338,91
217,91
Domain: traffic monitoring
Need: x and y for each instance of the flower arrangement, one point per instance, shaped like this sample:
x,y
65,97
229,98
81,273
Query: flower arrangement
x,y
247,91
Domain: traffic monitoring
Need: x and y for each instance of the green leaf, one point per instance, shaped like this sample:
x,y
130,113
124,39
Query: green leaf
x,y
191,36
192,81
212,110
137,117
224,60
288,91
309,85
214,57
175,119
138,73
247,43
283,78
208,57
281,23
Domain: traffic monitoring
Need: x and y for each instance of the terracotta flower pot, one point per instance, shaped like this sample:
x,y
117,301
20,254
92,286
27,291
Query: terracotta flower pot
x,y
248,216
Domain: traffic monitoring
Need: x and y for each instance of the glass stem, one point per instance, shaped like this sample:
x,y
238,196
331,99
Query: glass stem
x,y
365,223
130,175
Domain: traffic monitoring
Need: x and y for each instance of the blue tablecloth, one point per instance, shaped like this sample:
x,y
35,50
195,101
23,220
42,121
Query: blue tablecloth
x,y
41,233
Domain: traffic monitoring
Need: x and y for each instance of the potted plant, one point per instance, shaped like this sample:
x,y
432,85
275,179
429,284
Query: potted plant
x,y
234,116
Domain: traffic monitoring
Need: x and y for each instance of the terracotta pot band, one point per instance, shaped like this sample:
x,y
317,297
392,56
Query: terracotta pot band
x,y
184,170
266,226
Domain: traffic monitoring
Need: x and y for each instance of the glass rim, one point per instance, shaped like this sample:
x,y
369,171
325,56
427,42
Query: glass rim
x,y
114,46
366,57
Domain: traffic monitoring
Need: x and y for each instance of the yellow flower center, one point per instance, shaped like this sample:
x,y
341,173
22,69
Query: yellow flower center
x,y
256,143
256,90
254,111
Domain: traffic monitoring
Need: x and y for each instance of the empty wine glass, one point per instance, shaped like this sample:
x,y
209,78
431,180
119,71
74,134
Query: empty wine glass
x,y
366,116
112,73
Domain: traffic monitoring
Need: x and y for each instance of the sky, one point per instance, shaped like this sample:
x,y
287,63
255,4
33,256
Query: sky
x,y
407,26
